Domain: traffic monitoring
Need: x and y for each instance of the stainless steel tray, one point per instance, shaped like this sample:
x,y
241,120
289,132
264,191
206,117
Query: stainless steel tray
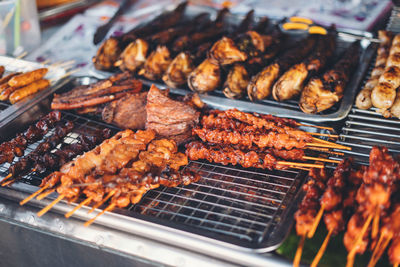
x,y
290,108
236,209
8,111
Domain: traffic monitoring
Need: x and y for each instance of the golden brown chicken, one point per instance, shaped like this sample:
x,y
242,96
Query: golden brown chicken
x,y
179,70
156,64
133,56
206,77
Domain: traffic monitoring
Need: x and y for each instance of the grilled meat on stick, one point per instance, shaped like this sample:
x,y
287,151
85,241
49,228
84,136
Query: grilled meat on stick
x,y
261,84
110,50
291,83
323,92
17,146
363,99
384,94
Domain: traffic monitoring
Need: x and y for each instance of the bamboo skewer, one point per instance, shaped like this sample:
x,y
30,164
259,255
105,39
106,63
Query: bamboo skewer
x,y
315,126
8,182
325,150
45,194
325,145
352,253
48,207
334,145
375,224
327,135
380,247
7,177
396,264
300,164
321,250
102,201
22,202
317,219
299,251
86,201
109,208
321,159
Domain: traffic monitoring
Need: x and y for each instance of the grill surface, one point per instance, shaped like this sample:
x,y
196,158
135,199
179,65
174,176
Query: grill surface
x,y
246,207
3,106
366,128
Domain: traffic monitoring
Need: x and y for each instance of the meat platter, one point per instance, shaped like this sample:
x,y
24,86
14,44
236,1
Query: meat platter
x,y
287,108
229,208
11,65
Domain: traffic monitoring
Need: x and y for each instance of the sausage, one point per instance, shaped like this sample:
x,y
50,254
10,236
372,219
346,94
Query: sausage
x,y
5,91
395,109
5,79
30,89
27,77
2,70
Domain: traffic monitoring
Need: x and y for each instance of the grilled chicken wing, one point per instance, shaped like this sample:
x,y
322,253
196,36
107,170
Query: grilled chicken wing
x,y
236,82
323,92
261,84
179,69
133,56
156,64
291,83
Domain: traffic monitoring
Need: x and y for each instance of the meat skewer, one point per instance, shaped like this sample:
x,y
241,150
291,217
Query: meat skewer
x,y
291,83
323,92
261,84
24,164
308,207
17,146
363,99
53,161
109,52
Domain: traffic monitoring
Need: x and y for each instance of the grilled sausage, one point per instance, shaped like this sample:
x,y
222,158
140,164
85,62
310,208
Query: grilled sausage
x,y
28,90
27,77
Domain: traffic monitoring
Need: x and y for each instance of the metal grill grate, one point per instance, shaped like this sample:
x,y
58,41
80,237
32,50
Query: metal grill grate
x,y
366,128
241,206
3,106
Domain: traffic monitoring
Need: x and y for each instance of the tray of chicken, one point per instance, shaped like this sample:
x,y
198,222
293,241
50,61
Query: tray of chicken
x,y
244,61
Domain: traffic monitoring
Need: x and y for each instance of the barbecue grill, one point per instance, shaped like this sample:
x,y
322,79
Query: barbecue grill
x,y
231,216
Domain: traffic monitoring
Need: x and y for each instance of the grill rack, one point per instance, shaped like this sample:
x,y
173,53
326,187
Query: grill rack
x,y
246,207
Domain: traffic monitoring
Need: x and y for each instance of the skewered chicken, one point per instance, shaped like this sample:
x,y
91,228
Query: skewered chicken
x,y
291,83
323,92
363,100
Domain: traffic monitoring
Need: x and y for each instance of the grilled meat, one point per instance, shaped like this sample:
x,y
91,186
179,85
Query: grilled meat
x,y
169,118
291,83
323,92
128,112
156,64
206,77
261,84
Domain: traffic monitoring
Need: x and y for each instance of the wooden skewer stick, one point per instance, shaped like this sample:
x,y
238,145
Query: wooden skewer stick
x,y
321,250
66,63
396,264
315,224
7,177
323,145
326,150
379,249
21,56
22,202
45,62
299,251
322,159
375,224
86,201
102,201
315,126
7,182
339,146
109,208
300,164
48,207
352,253
376,250
45,194
327,135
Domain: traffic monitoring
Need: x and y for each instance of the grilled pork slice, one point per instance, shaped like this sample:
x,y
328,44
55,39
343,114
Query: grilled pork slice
x,y
169,118
128,112
291,83
323,92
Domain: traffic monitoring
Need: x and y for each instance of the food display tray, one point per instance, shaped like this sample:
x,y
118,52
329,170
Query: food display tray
x,y
289,109
242,210
55,75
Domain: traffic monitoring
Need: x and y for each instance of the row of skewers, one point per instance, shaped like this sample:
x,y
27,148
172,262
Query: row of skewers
x,y
365,199
380,91
254,60
258,141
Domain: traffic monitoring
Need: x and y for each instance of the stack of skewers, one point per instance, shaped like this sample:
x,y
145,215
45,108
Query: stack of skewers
x,y
246,59
363,199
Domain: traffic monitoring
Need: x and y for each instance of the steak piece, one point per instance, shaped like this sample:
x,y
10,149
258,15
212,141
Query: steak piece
x,y
128,112
170,118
